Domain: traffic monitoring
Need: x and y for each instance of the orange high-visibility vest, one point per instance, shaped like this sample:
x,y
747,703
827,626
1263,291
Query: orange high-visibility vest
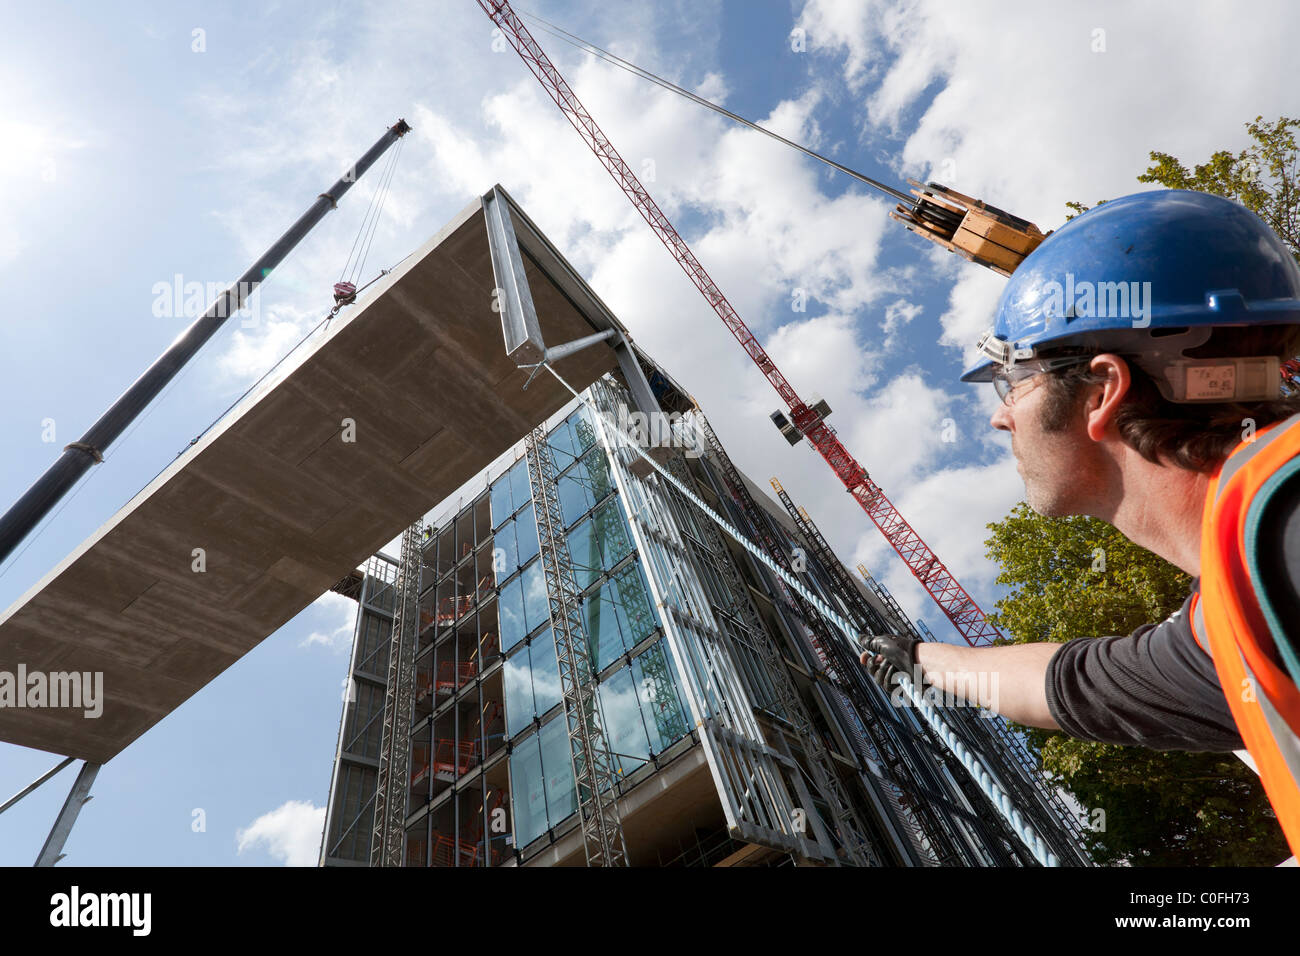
x,y
1255,649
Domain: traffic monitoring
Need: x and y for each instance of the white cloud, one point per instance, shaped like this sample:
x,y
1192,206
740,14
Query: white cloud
x,y
252,351
291,833
340,615
898,313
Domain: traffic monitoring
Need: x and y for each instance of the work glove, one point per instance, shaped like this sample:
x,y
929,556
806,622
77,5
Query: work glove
x,y
887,655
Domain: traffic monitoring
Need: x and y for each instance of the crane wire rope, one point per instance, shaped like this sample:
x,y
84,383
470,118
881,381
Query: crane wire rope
x,y
587,47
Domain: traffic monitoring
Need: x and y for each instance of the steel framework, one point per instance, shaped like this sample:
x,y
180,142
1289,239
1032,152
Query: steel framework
x,y
870,621
851,829
1024,775
942,841
757,803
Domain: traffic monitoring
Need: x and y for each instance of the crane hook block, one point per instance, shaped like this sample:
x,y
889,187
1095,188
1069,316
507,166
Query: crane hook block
x,y
973,229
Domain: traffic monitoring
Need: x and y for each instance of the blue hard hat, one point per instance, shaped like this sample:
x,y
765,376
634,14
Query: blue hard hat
x,y
1147,263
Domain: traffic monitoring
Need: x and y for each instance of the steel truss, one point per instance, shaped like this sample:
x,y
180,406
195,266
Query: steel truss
x,y
995,833
851,830
393,786
943,844
593,775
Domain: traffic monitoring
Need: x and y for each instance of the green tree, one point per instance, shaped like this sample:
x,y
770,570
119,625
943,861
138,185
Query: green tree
x,y
1264,177
1079,577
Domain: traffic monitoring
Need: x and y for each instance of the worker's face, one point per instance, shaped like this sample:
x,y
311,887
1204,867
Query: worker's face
x,y
1056,467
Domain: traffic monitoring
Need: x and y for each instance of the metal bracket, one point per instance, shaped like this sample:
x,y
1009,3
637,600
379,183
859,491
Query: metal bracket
x,y
562,351
523,334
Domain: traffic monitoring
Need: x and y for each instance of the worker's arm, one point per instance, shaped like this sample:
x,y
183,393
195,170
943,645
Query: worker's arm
x,y
1155,688
1009,680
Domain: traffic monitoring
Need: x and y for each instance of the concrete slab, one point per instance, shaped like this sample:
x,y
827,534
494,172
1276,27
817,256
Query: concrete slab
x,y
281,505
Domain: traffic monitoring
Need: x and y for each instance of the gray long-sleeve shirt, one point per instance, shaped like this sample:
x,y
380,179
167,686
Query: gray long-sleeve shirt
x,y
1155,688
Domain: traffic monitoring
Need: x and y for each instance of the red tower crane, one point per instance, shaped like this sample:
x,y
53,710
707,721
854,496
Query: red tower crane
x,y
938,581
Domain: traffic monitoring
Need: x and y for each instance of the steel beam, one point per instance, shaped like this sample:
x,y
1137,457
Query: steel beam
x,y
78,796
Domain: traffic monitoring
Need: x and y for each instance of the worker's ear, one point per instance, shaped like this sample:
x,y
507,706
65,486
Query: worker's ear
x,y
1104,400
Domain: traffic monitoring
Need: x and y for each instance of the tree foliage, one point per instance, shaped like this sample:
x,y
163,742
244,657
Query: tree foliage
x,y
1264,177
1079,577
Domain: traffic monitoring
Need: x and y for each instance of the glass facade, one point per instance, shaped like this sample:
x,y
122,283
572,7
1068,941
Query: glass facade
x,y
488,671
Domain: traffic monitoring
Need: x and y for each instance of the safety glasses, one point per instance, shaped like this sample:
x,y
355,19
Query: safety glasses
x,y
1007,377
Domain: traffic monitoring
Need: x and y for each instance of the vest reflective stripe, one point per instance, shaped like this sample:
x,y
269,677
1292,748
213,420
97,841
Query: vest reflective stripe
x,y
1264,701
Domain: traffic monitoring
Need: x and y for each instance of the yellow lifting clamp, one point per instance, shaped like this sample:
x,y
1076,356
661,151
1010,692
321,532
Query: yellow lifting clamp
x,y
981,233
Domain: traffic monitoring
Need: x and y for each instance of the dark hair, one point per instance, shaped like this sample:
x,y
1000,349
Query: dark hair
x,y
1195,437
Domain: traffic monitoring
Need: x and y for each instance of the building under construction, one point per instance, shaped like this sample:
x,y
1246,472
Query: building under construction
x,y
576,657
570,663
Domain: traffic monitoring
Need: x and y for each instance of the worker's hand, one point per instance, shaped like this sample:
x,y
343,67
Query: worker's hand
x,y
887,655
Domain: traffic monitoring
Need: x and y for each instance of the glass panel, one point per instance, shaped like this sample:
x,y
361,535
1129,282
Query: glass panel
x,y
601,622
507,560
546,672
519,692
512,615
561,798
482,520
519,489
584,553
561,442
656,687
574,497
526,532
598,477
536,606
528,792
615,542
464,533
622,713
636,616
584,436
501,507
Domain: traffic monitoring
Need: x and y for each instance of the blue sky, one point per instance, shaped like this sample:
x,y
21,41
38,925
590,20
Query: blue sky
x,y
154,139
